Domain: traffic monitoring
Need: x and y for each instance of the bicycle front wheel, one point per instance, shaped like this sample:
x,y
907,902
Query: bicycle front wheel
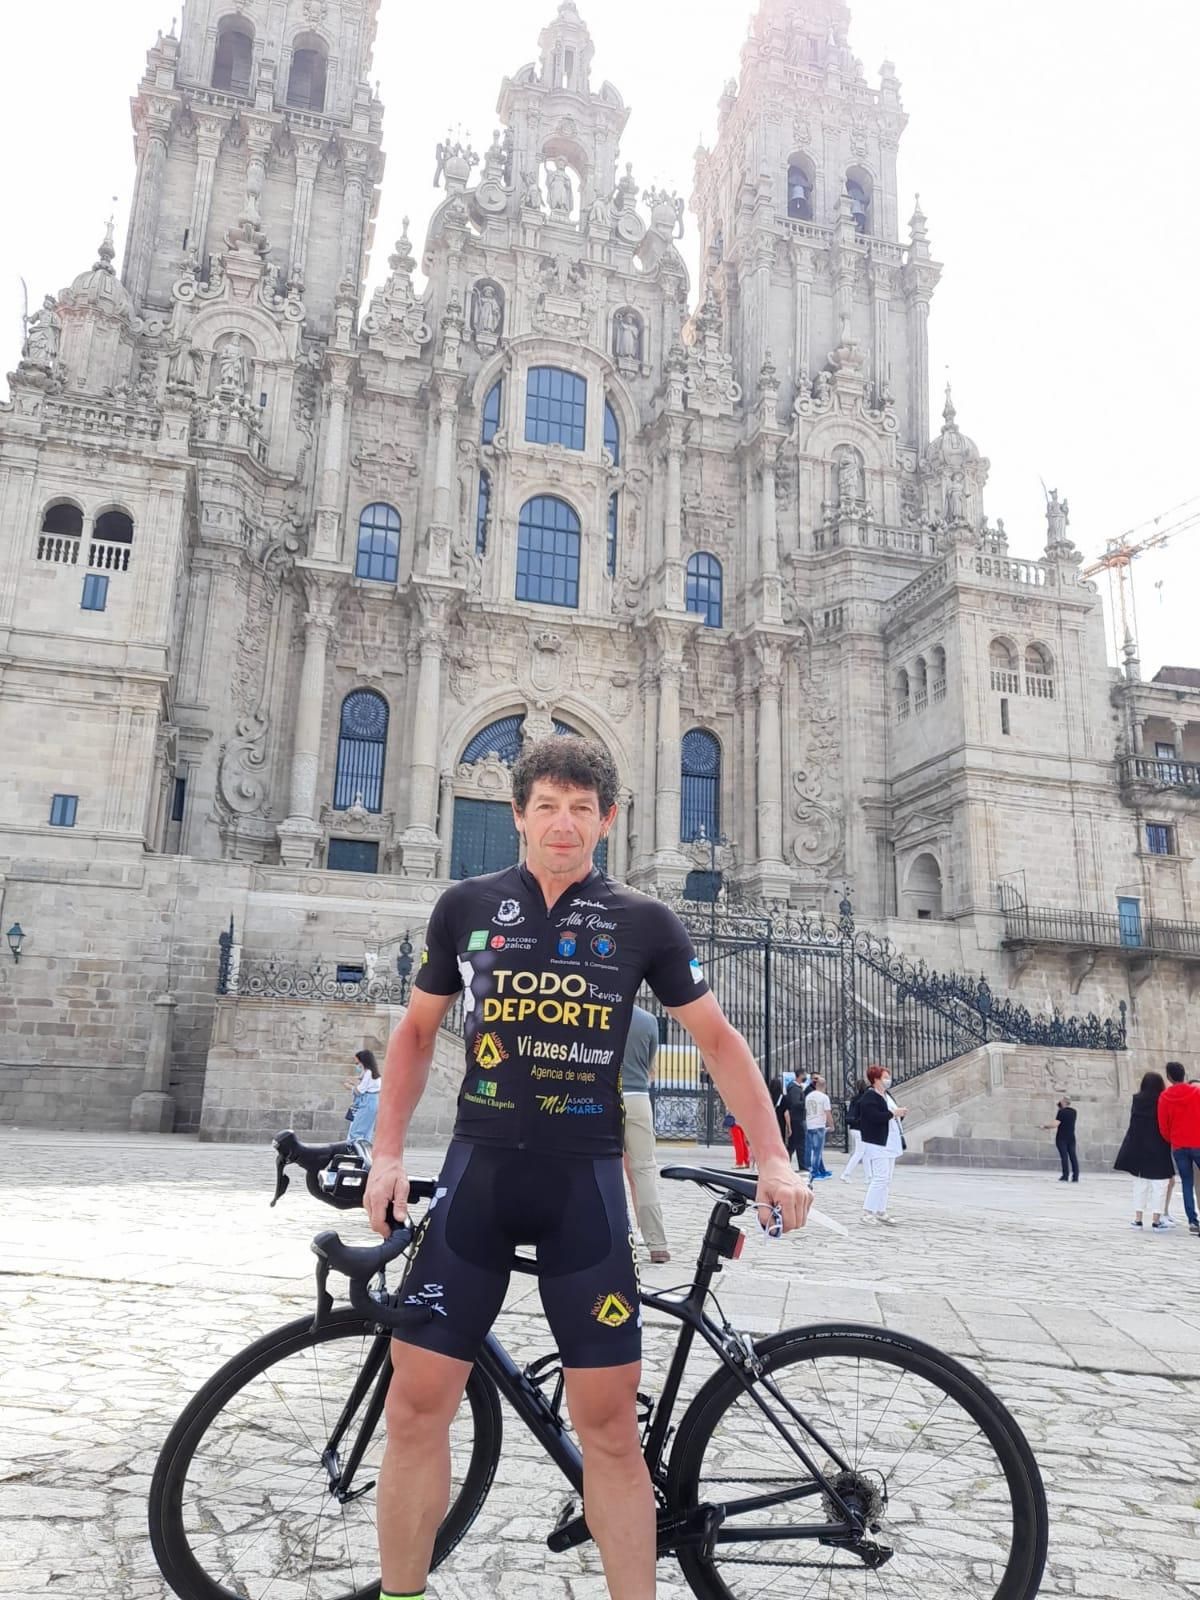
x,y
241,1506
948,1487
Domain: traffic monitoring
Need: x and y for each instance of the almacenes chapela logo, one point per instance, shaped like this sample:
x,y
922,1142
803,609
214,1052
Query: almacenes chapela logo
x,y
612,1310
488,1051
486,1087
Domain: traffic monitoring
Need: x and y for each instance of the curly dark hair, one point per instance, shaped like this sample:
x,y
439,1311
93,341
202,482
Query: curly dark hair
x,y
570,763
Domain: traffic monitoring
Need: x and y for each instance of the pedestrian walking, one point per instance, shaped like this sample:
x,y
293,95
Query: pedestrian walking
x,y
1064,1138
1146,1155
641,1163
779,1101
1179,1124
883,1142
797,1094
737,1136
818,1120
364,1107
853,1129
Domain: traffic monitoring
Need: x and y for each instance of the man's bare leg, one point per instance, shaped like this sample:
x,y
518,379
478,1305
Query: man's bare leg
x,y
617,1498
414,1480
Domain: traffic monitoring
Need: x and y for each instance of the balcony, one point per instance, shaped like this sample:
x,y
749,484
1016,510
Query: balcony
x,y
1099,930
1161,773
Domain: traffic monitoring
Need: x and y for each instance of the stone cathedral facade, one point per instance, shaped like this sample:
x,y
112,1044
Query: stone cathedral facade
x,y
288,572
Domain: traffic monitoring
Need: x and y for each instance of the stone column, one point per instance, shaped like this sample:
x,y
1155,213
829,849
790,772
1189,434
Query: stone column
x,y
918,368
618,849
445,824
667,785
881,355
446,387
308,156
419,843
139,251
208,143
299,834
354,211
770,754
673,584
153,1111
802,266
327,541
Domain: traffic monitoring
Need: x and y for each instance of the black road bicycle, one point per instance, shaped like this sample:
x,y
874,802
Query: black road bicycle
x,y
831,1462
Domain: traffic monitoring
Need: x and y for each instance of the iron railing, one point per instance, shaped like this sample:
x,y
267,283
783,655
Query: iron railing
x,y
1095,930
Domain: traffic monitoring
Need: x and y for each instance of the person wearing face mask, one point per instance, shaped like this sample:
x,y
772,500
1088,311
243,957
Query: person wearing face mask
x,y
879,1123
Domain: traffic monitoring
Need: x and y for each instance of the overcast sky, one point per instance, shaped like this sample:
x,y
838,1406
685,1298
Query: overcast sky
x,y
1050,142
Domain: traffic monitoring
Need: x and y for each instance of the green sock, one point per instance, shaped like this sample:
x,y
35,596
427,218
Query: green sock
x,y
384,1595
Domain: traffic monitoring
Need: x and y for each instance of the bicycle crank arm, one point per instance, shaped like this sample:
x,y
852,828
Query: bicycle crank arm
x,y
695,1527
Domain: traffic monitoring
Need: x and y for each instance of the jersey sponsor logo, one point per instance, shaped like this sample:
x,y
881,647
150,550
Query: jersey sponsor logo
x,y
425,956
604,946
497,942
590,905
474,1098
488,1051
697,970
574,919
428,1297
520,995
565,1105
486,1086
602,994
509,913
584,1055
478,940
612,1310
566,945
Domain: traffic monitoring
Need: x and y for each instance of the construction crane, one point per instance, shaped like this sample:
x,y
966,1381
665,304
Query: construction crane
x,y
1118,558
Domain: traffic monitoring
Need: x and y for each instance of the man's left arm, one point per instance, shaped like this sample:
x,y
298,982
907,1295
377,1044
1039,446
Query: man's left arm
x,y
735,1072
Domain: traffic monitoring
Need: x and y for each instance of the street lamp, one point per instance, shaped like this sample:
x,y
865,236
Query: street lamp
x,y
16,937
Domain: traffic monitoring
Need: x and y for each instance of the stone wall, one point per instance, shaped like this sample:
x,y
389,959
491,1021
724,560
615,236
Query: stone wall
x,y
990,1108
281,1064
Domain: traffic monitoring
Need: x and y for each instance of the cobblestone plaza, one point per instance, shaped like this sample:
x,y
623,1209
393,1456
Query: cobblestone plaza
x,y
133,1267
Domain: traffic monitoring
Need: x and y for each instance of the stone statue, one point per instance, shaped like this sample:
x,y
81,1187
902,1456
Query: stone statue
x,y
627,189
954,499
887,399
628,337
821,386
42,335
559,190
183,365
488,312
231,367
532,193
847,474
600,217
1058,514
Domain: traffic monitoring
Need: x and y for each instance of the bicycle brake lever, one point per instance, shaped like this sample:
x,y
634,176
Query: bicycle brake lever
x,y
281,1178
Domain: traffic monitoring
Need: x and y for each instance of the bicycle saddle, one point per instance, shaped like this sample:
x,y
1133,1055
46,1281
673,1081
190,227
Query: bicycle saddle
x,y
711,1177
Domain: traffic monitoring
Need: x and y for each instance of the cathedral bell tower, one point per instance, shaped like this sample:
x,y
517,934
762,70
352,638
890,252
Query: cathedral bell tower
x,y
799,216
258,120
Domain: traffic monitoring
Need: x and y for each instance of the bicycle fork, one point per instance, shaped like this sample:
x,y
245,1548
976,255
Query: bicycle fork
x,y
375,1375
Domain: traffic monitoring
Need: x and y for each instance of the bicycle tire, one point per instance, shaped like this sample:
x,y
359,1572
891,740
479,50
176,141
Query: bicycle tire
x,y
170,1535
1026,1555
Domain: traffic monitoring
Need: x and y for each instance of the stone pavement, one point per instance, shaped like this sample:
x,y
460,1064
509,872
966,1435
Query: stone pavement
x,y
131,1267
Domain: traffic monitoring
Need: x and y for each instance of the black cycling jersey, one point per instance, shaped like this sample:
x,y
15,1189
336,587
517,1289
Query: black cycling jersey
x,y
548,1000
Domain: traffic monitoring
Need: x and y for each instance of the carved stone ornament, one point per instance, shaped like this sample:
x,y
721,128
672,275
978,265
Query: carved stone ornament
x,y
357,822
395,324
489,778
711,386
487,314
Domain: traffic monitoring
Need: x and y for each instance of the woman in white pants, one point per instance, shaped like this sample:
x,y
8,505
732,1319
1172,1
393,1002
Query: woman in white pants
x,y
1146,1156
879,1123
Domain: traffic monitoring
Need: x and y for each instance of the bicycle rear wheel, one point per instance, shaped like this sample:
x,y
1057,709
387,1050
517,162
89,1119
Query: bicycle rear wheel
x,y
943,1472
240,1503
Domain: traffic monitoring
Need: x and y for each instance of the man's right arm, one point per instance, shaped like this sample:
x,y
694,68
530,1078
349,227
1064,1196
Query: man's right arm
x,y
405,1074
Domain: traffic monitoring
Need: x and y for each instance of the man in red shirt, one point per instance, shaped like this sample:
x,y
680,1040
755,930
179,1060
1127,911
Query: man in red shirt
x,y
1179,1124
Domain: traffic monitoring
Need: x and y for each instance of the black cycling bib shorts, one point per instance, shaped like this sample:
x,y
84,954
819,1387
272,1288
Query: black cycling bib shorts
x,y
536,1154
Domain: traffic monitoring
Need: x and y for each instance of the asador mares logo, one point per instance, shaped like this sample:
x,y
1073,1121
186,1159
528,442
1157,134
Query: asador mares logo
x,y
612,1310
488,1051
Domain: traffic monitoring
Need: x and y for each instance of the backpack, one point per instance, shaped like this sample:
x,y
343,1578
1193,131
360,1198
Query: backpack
x,y
854,1113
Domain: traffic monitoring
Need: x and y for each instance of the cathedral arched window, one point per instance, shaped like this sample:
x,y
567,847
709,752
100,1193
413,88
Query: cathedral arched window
x,y
502,739
1039,672
64,518
362,745
612,433
231,63
555,407
903,695
700,783
548,535
858,187
489,424
614,524
306,80
800,189
705,585
378,556
1005,666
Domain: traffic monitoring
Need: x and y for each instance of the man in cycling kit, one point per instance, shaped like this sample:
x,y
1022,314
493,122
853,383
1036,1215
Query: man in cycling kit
x,y
549,957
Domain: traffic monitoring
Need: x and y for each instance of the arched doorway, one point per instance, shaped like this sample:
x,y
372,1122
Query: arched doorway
x,y
922,898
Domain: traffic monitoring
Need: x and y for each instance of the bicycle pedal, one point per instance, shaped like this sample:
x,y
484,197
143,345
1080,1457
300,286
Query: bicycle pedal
x,y
570,1529
570,1508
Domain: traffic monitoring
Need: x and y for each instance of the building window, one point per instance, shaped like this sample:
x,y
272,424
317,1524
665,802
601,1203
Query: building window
x,y
231,64
1039,673
95,592
556,408
62,810
485,838
548,552
349,972
612,434
352,855
1005,724
614,514
704,588
489,424
903,702
860,204
1160,839
378,555
362,744
700,772
799,192
1005,665
178,799
1163,751
483,509
501,739
702,886
306,80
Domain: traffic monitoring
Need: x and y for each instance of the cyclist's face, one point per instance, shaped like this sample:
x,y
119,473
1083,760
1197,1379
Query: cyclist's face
x,y
562,827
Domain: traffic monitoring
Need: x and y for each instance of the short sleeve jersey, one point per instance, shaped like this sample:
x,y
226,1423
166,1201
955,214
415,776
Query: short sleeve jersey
x,y
548,997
